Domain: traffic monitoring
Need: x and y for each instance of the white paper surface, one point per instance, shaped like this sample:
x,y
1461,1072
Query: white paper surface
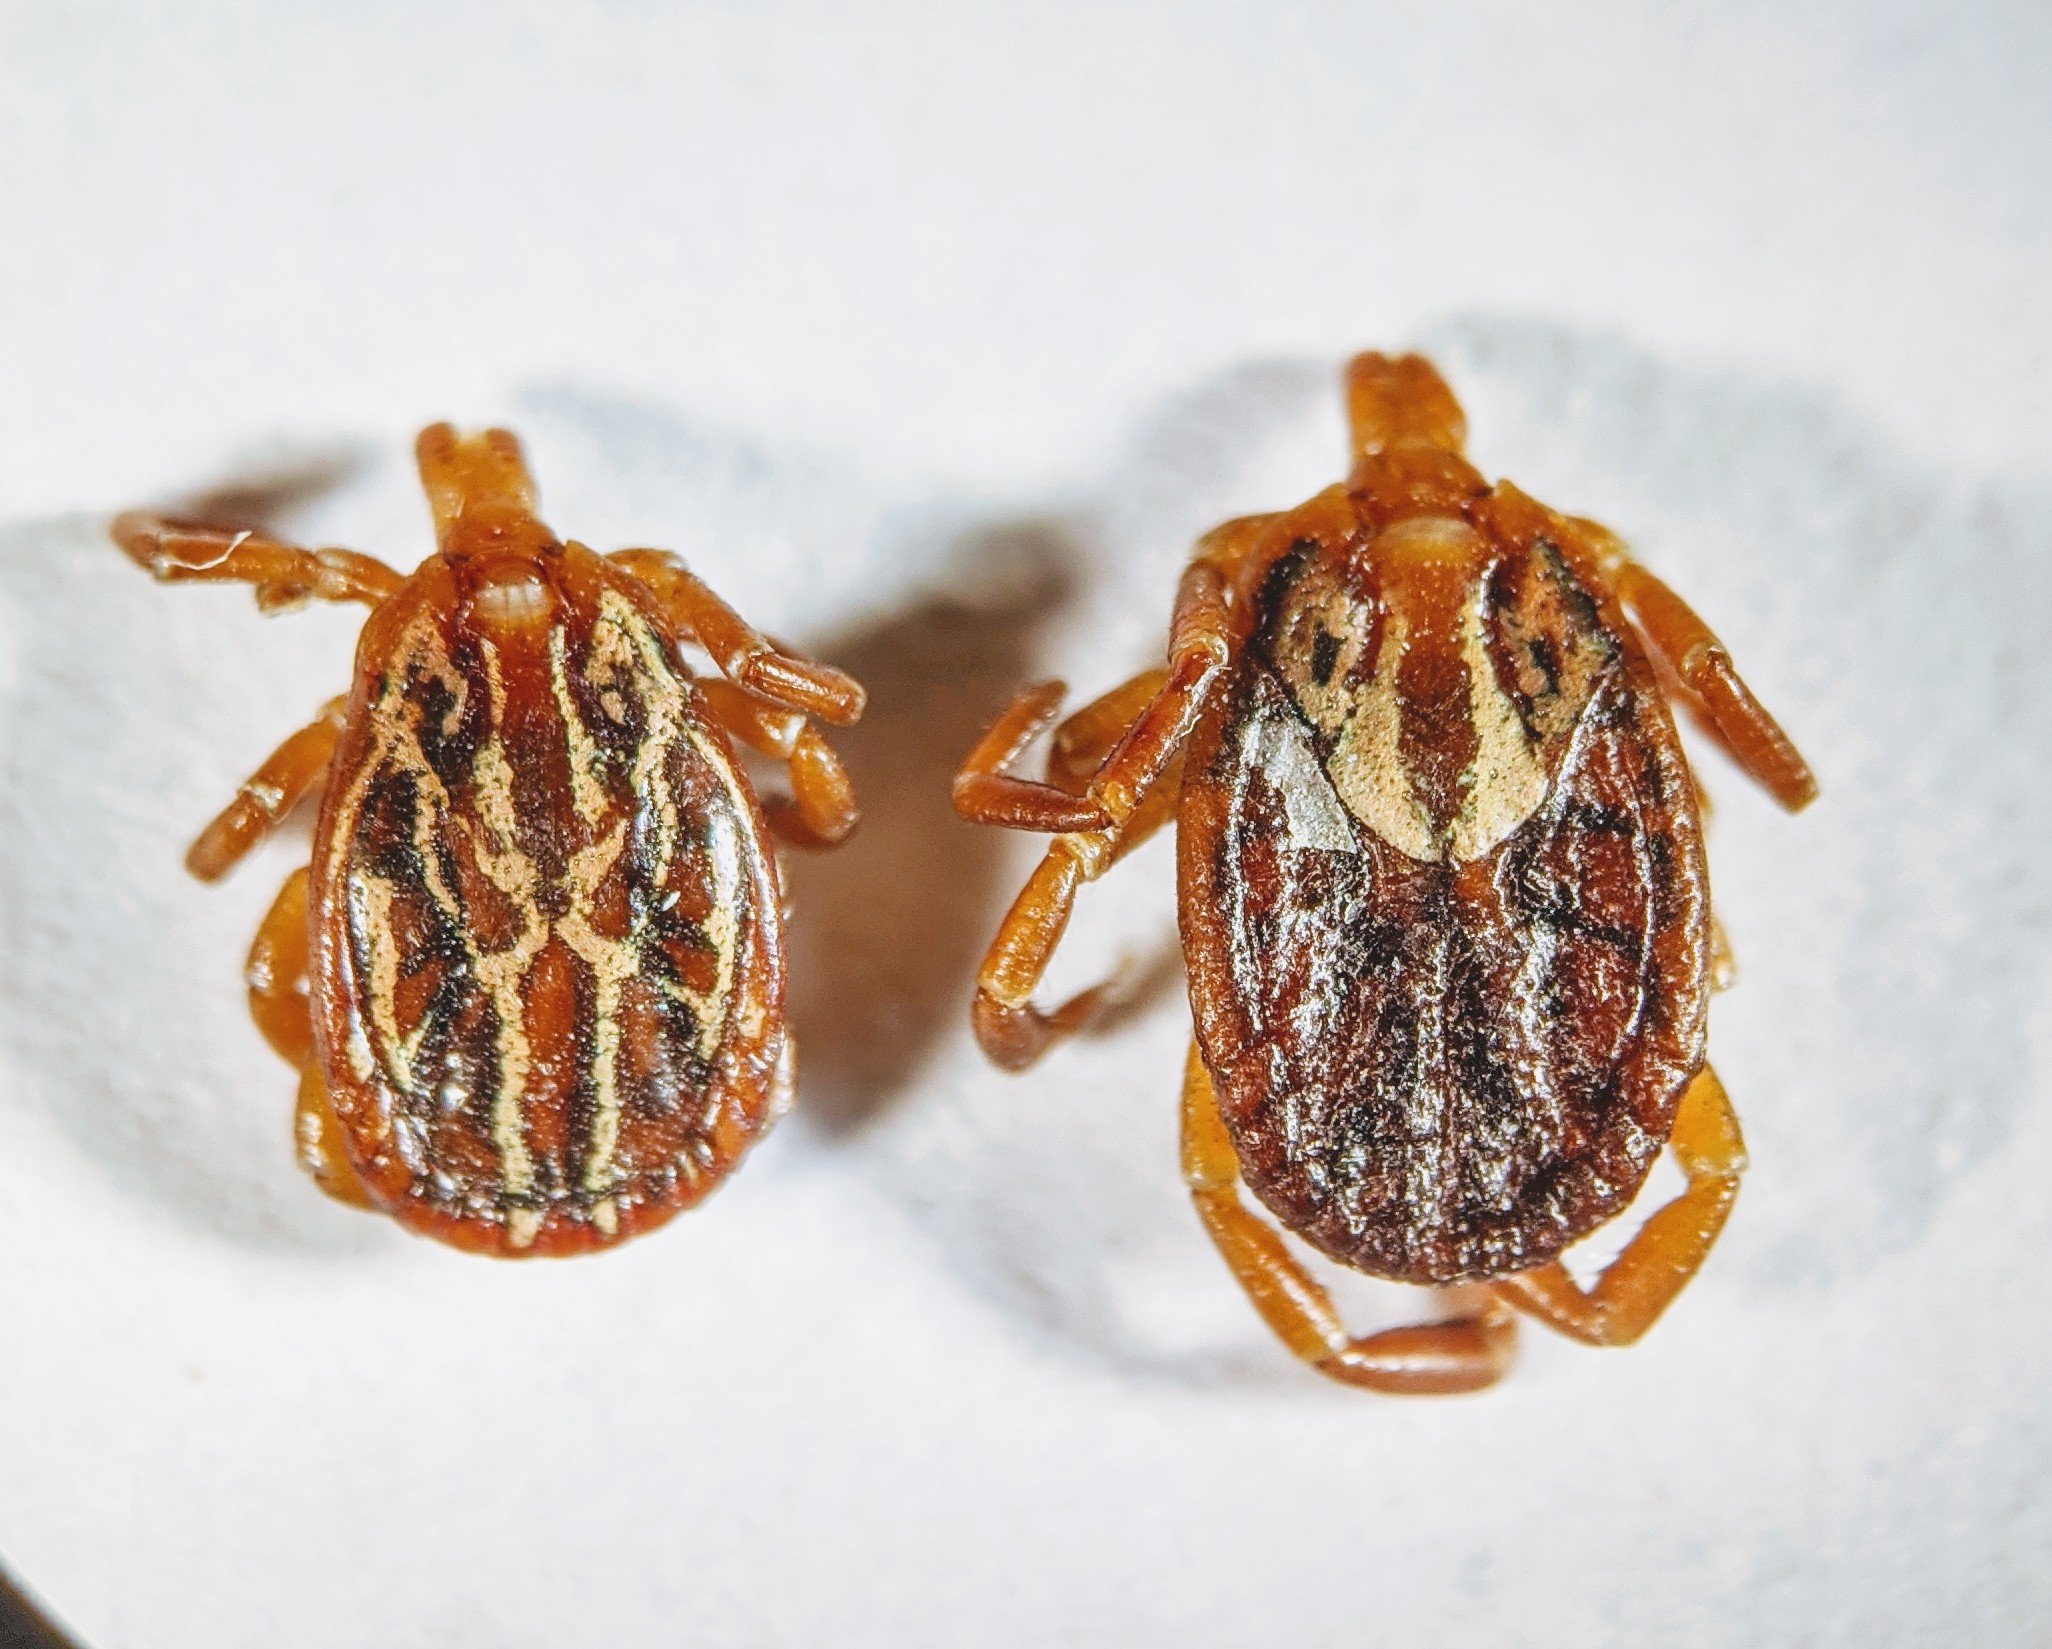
x,y
933,336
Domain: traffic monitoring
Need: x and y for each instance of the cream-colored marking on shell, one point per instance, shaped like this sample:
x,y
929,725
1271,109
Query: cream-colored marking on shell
x,y
1506,781
363,1063
369,896
586,790
628,660
396,724
612,962
610,661
502,972
1424,1104
370,899
1330,703
722,926
453,679
1367,764
1364,721
626,649
1312,813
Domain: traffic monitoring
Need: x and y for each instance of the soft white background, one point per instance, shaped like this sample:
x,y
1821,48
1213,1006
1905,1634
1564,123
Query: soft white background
x,y
933,334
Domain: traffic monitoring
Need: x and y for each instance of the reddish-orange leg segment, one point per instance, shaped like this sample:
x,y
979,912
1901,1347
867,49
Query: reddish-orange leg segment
x,y
1665,1252
289,774
1014,1035
985,793
284,574
743,654
276,974
821,811
1723,959
1082,742
1461,1354
1013,1032
1698,672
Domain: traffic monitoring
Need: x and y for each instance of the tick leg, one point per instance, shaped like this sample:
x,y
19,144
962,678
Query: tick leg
x,y
1202,638
1200,646
1701,675
267,796
1461,1354
1136,786
1082,742
744,655
1155,711
318,1139
285,575
821,811
1012,1031
276,974
1723,960
985,793
1666,1251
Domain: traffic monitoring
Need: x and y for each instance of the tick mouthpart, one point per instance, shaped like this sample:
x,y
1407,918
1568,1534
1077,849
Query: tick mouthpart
x,y
473,478
1396,401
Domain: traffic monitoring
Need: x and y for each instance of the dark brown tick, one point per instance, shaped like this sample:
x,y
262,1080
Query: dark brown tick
x,y
1442,894
534,978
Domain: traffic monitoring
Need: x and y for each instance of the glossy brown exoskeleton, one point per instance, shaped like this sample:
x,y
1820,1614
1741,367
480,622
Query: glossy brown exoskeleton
x,y
534,978
1442,891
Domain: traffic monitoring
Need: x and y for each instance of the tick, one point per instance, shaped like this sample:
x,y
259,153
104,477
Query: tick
x,y
533,979
1441,890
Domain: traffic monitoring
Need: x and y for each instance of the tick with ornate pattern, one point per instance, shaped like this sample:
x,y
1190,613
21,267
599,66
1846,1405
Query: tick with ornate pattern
x,y
533,979
1442,895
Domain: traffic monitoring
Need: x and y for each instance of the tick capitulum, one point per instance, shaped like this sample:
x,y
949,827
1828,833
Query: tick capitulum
x,y
1441,887
533,979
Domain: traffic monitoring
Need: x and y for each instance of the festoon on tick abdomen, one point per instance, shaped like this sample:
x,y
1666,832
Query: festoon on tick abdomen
x,y
1442,894
533,979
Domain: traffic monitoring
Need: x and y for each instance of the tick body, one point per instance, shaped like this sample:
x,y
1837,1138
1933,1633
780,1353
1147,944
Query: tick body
x,y
533,979
1442,894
